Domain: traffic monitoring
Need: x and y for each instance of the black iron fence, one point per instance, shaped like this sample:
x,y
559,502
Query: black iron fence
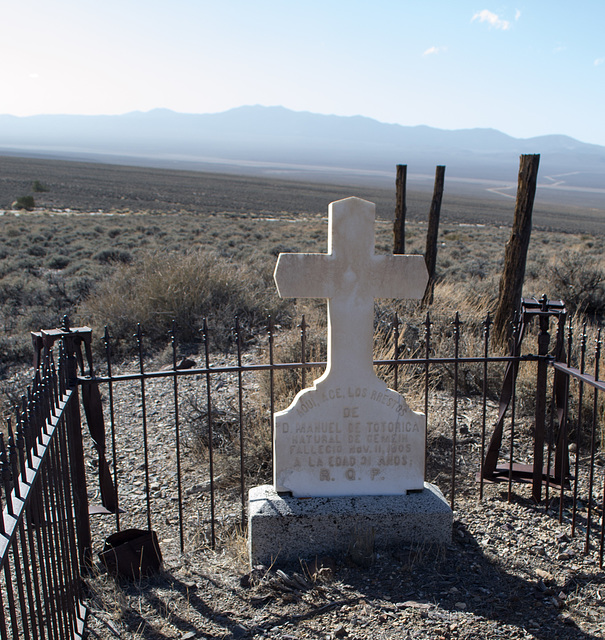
x,y
582,414
173,447
44,530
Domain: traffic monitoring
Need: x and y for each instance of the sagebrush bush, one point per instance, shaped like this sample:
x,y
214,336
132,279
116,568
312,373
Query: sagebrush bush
x,y
580,281
12,349
187,287
108,256
39,187
24,202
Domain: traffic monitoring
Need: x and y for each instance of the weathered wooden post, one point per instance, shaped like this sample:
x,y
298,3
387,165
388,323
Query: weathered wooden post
x,y
430,254
76,448
400,209
515,255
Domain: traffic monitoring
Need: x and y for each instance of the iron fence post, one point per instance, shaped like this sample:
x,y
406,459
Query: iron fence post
x,y
540,420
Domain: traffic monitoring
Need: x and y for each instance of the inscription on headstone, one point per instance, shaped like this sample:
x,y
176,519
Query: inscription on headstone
x,y
349,434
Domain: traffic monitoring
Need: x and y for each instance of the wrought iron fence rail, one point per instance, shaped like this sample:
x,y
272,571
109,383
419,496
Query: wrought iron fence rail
x,y
163,373
574,372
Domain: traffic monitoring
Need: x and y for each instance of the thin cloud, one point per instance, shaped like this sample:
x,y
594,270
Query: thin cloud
x,y
434,51
492,19
599,61
517,14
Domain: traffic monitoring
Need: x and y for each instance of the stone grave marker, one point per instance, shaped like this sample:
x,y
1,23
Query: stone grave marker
x,y
349,434
348,452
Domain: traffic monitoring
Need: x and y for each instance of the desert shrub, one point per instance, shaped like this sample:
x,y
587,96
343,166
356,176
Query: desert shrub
x,y
38,187
580,283
14,349
282,248
108,256
24,202
162,287
57,262
36,250
20,291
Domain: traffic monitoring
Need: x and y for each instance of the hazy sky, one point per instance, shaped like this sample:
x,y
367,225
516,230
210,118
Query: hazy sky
x,y
529,68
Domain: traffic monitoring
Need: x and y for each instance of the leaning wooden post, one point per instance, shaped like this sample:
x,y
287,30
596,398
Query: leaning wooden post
x,y
515,255
430,255
400,209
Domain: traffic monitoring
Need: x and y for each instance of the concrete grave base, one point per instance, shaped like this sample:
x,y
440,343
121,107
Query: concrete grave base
x,y
283,529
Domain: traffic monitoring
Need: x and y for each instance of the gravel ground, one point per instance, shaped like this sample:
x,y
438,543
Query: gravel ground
x,y
510,571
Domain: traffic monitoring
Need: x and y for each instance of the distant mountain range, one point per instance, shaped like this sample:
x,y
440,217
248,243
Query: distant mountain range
x,y
282,143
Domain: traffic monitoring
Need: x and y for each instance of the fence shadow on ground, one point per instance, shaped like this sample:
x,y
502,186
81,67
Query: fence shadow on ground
x,y
437,591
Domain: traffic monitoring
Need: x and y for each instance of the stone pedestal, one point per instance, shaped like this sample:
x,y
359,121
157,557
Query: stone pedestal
x,y
283,529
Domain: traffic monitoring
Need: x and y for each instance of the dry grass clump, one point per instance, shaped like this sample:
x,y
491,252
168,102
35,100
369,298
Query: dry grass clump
x,y
256,437
471,300
161,287
288,347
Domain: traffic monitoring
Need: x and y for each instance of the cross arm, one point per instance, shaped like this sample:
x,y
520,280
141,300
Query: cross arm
x,y
303,275
399,276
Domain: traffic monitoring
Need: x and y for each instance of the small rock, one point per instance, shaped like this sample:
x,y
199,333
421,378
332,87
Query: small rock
x,y
545,575
461,606
412,604
340,631
186,363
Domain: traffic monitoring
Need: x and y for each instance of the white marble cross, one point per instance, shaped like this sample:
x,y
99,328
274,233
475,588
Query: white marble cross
x,y
349,434
350,276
